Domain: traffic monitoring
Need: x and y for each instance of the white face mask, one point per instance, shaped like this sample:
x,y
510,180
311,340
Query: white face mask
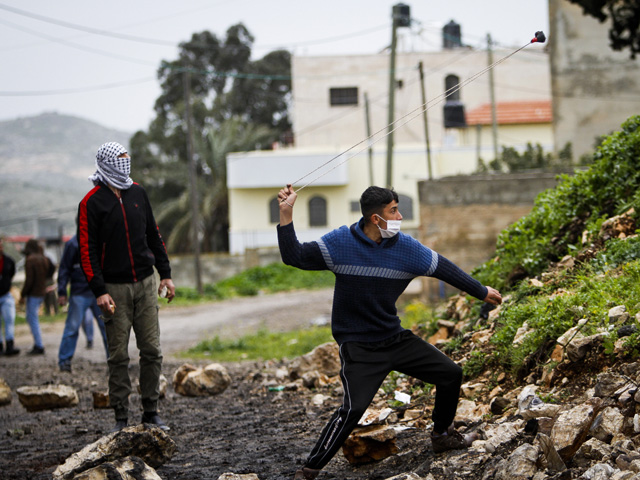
x,y
393,227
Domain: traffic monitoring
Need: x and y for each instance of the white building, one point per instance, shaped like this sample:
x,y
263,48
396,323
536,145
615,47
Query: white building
x,y
336,157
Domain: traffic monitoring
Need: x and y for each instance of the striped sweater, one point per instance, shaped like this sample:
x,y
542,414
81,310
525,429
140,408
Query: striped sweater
x,y
370,276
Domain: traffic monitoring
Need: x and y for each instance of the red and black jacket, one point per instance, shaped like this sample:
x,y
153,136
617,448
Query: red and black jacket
x,y
118,238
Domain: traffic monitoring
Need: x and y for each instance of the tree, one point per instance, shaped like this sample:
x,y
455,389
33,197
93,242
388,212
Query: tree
x,y
625,21
230,94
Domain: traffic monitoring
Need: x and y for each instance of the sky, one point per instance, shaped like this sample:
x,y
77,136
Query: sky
x,y
98,60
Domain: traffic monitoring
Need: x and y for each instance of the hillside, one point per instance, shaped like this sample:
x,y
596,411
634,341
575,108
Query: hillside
x,y
45,163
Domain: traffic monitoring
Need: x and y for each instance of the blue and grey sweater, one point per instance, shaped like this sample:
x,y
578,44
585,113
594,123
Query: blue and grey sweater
x,y
370,276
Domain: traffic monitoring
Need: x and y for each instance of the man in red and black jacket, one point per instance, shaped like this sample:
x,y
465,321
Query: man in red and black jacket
x,y
119,246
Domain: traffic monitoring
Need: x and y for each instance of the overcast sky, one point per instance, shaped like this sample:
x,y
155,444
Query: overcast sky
x,y
98,60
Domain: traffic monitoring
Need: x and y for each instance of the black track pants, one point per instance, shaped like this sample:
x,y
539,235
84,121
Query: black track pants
x,y
364,368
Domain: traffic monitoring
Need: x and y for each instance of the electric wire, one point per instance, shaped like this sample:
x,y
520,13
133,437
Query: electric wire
x,y
410,115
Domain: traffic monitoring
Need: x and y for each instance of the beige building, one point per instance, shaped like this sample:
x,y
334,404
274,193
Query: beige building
x,y
340,150
595,88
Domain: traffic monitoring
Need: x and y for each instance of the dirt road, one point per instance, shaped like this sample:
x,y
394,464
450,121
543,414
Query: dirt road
x,y
184,327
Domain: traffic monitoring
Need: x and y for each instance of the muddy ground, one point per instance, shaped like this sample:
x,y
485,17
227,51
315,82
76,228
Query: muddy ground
x,y
246,429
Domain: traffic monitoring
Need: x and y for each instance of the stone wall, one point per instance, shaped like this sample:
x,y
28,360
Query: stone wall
x,y
462,216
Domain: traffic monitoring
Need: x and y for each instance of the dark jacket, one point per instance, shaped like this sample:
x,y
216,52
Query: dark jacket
x,y
36,269
69,271
7,271
118,238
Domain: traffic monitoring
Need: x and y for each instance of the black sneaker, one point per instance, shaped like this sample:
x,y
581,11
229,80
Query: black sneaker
x,y
449,440
36,351
306,474
120,424
65,367
154,419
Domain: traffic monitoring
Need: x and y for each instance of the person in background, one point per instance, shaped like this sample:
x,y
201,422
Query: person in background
x,y
81,301
7,303
36,269
119,246
373,263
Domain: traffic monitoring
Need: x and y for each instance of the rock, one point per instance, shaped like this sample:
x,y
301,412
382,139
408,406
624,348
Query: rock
x,y
573,332
324,358
592,451
471,390
120,469
5,393
148,443
235,476
608,423
618,315
499,434
521,334
572,427
498,405
369,444
552,459
441,335
481,336
607,384
374,416
531,406
578,347
600,471
197,382
521,464
100,399
47,397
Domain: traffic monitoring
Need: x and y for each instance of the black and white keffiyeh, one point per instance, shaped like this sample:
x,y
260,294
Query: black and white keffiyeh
x,y
110,169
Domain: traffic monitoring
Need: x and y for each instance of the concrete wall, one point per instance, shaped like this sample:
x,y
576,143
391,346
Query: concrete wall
x,y
594,88
218,266
463,216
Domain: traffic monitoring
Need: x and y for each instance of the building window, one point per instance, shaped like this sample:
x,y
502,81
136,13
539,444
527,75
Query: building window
x,y
343,96
274,210
405,205
451,88
355,206
317,212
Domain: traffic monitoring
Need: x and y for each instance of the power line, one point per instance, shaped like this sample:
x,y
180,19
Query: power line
x,y
35,93
82,28
76,45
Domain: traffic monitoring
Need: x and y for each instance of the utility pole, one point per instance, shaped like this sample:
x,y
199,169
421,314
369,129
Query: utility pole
x,y
400,17
195,217
492,97
368,123
424,115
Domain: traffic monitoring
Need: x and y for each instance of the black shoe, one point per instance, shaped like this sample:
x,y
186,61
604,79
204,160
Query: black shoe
x,y
89,344
65,367
120,424
306,474
450,440
154,419
36,351
11,350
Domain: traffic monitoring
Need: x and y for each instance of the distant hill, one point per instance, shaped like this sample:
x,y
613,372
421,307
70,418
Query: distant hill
x,y
45,162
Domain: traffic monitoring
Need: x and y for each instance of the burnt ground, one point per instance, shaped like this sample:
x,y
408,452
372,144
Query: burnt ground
x,y
246,429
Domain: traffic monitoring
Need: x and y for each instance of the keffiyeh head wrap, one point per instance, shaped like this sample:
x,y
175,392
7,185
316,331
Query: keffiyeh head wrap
x,y
110,169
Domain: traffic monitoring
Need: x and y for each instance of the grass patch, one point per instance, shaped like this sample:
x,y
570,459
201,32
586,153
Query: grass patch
x,y
263,345
273,278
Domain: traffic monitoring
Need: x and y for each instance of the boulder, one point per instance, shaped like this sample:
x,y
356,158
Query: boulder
x,y
191,381
5,393
236,476
121,469
370,444
324,359
47,397
153,446
572,428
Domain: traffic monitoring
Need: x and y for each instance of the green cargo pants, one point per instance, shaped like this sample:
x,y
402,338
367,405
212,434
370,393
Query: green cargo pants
x,y
137,308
